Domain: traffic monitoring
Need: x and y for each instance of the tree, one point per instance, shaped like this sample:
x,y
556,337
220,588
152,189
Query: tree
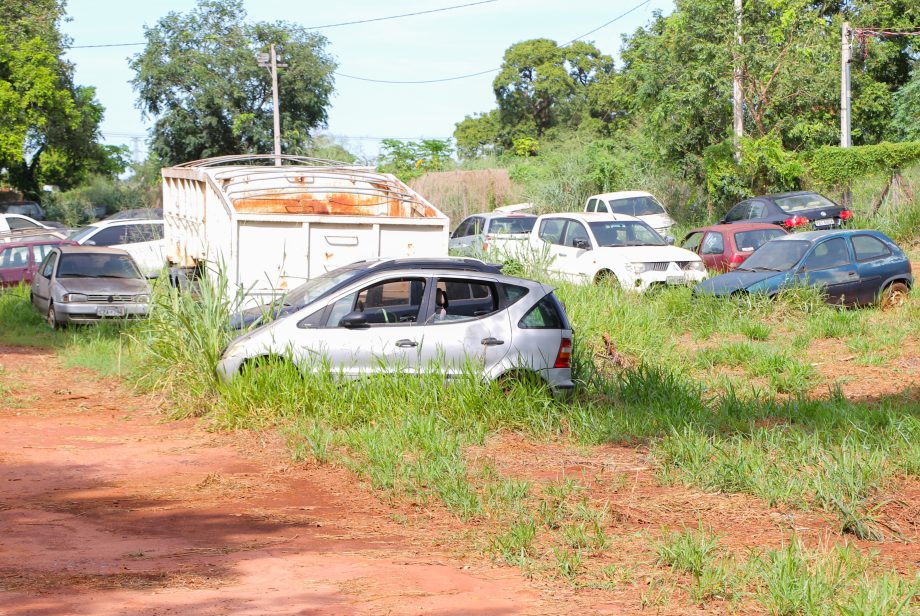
x,y
198,76
907,110
50,125
478,134
409,159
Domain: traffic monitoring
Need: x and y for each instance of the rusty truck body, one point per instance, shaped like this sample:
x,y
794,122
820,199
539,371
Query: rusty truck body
x,y
270,227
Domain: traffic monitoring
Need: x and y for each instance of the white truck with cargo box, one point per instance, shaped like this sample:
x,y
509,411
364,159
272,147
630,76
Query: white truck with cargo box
x,y
269,227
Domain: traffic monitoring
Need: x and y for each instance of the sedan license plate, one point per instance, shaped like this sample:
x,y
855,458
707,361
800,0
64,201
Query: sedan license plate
x,y
110,311
824,222
675,280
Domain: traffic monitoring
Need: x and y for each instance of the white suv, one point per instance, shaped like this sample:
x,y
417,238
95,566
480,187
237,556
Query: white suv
x,y
636,203
19,223
612,248
142,239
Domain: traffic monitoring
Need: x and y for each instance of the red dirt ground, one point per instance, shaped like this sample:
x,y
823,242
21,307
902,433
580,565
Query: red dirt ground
x,y
105,509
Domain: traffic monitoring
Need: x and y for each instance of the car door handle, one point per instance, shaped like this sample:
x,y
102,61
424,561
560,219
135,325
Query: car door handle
x,y
852,274
490,341
405,343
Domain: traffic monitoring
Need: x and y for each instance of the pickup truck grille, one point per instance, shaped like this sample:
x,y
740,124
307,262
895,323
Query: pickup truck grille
x,y
109,299
662,266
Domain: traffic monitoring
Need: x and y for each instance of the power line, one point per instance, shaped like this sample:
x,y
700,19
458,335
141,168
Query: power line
x,y
491,70
323,27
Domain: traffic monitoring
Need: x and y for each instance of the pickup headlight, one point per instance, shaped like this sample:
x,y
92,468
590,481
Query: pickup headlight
x,y
142,299
636,268
73,297
695,266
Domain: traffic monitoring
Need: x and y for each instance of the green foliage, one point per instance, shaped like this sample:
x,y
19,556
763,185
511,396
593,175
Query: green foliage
x,y
478,135
764,167
525,146
906,123
50,125
835,166
410,159
199,77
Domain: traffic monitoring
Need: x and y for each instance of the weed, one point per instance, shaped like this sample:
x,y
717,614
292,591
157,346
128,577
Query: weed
x,y
515,545
688,551
568,563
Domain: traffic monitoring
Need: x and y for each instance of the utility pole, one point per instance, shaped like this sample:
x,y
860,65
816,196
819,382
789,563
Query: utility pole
x,y
270,61
845,54
737,96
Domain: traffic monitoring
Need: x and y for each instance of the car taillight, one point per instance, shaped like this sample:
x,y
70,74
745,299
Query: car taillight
x,y
795,221
564,356
736,260
845,215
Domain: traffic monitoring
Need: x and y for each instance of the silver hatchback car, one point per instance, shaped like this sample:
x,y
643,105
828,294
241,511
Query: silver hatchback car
x,y
417,320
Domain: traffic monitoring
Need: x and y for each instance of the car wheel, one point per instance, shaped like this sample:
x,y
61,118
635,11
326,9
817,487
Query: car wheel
x,y
52,317
526,378
606,277
894,295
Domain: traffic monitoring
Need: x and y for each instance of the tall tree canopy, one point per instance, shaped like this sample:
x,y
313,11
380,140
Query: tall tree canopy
x,y
50,125
198,76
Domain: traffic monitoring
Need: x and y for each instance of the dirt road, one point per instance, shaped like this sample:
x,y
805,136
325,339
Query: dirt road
x,y
106,509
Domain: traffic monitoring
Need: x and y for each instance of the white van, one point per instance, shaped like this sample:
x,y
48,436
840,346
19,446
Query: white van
x,y
142,239
640,204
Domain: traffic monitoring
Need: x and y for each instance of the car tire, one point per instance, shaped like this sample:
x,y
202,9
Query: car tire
x,y
894,295
606,277
52,317
528,378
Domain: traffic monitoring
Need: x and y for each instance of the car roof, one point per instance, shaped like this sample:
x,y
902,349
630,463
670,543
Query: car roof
x,y
50,240
450,272
68,249
623,194
491,215
124,221
812,236
790,193
592,216
447,263
737,226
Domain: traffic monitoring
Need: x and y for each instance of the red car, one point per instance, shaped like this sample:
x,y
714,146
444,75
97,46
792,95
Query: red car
x,y
725,247
21,256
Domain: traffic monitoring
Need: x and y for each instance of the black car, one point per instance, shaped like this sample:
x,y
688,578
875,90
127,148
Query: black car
x,y
319,287
790,210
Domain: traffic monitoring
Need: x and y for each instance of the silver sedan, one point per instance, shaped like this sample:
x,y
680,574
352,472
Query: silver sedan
x,y
77,284
418,320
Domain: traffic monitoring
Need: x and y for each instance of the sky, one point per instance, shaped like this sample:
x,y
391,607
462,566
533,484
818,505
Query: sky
x,y
431,46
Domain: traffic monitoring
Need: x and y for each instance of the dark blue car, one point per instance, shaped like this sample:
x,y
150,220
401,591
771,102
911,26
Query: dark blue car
x,y
792,210
852,267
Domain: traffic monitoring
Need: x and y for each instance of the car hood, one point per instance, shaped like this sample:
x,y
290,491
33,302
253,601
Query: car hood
x,y
104,286
644,254
726,284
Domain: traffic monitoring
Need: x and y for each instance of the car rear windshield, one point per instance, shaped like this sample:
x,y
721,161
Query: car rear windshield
x,y
776,256
625,233
97,266
807,201
512,224
749,241
636,206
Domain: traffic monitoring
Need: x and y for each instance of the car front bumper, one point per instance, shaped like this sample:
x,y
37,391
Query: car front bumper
x,y
229,367
87,312
642,282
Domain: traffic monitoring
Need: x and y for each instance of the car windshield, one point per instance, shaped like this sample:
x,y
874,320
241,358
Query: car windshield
x,y
776,256
749,241
807,201
512,224
97,266
81,234
636,206
315,288
625,233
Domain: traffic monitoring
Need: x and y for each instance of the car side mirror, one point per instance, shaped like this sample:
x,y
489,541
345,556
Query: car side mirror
x,y
670,240
354,320
581,243
89,243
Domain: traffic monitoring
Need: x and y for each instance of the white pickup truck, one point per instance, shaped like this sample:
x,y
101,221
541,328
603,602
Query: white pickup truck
x,y
640,204
612,248
269,228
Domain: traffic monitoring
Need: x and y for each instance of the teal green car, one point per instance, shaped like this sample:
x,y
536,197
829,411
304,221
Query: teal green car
x,y
852,267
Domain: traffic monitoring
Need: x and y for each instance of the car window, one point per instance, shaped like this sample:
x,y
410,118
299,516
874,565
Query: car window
x,y
97,265
868,248
463,300
512,224
477,223
636,206
625,233
383,303
155,231
463,229
40,251
749,241
513,293
602,206
828,254
806,201
48,265
739,212
692,241
575,231
14,258
551,230
592,205
136,234
544,315
17,223
713,244
758,210
109,236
